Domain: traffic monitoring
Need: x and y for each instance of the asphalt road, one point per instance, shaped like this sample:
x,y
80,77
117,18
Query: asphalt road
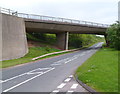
x,y
45,75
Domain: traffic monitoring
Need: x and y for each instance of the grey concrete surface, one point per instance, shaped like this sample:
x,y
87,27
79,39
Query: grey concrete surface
x,y
62,40
44,75
14,42
57,27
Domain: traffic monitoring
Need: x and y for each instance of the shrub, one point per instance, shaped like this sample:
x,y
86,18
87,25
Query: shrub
x,y
113,35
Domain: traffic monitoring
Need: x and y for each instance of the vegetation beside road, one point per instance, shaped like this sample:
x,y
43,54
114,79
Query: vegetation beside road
x,y
45,43
75,40
113,36
33,52
101,71
81,40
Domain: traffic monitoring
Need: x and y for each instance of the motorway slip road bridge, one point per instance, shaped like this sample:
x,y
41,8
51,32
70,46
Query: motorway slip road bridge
x,y
14,26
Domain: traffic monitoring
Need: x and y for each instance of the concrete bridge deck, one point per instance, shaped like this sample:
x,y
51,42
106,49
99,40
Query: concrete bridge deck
x,y
15,25
47,24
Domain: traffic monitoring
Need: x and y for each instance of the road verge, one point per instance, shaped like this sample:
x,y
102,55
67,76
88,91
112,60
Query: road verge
x,y
54,53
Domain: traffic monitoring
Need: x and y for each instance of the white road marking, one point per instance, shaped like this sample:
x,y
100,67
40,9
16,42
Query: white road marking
x,y
71,76
55,64
70,60
1,81
70,91
23,74
61,85
59,62
68,79
56,91
62,60
82,54
27,80
74,86
14,77
35,73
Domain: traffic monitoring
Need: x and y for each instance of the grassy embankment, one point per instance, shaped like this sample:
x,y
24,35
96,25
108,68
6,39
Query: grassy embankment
x,y
33,52
45,45
101,71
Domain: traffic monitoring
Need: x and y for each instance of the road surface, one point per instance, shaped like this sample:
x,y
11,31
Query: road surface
x,y
49,75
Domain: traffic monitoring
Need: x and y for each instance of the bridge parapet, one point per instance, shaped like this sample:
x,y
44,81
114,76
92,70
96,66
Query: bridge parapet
x,y
52,19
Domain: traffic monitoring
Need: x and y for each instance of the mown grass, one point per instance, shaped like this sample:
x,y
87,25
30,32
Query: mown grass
x,y
101,71
33,52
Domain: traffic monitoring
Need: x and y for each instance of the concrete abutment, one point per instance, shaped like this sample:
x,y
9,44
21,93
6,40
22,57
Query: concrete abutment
x,y
14,41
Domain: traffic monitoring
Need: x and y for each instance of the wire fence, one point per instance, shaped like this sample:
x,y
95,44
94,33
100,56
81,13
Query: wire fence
x,y
52,19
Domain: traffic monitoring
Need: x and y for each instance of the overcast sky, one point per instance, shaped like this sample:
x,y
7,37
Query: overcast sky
x,y
101,11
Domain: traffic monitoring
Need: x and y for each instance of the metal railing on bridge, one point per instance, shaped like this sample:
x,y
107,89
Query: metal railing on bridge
x,y
48,18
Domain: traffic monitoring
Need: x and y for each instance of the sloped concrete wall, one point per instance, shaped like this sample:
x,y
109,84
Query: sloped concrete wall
x,y
14,42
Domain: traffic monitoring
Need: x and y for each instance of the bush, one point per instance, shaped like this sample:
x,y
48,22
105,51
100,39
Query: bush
x,y
80,40
113,36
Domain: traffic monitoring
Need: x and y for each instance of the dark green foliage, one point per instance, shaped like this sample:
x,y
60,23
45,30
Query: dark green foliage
x,y
42,37
113,35
80,40
39,35
75,40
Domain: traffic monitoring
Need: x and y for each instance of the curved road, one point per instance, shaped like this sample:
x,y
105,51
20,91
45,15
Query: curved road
x,y
48,75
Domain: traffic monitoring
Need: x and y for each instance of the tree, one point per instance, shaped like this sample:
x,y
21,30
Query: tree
x,y
113,35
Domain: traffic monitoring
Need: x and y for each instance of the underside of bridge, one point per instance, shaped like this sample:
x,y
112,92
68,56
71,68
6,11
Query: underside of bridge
x,y
14,41
62,30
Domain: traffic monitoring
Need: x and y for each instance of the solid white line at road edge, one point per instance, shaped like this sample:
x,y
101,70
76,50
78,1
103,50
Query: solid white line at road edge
x,y
27,81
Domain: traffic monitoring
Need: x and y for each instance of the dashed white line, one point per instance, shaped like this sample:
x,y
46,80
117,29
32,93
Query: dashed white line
x,y
70,60
61,85
68,79
56,91
70,91
71,76
27,80
74,86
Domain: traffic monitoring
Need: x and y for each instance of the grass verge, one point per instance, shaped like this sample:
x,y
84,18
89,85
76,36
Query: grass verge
x,y
101,71
33,52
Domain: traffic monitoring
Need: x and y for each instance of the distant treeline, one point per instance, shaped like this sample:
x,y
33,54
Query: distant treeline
x,y
75,40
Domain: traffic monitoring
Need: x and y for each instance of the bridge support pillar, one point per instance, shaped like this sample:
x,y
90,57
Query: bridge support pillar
x,y
62,40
